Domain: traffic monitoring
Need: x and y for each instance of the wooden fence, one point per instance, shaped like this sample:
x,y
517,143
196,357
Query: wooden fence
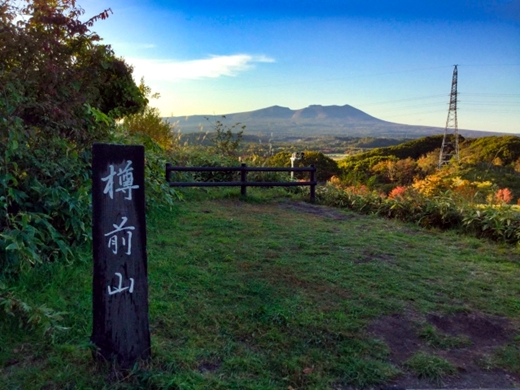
x,y
243,183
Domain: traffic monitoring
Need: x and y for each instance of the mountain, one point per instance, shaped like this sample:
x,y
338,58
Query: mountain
x,y
312,121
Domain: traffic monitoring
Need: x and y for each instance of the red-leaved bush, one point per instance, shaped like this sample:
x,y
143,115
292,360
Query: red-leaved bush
x,y
397,192
503,195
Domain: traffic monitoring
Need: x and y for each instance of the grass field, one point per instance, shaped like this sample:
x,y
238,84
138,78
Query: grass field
x,y
274,293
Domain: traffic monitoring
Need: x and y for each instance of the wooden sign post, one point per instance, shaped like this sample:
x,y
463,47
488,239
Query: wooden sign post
x,y
120,281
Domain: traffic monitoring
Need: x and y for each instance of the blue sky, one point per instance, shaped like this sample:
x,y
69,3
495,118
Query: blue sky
x,y
390,58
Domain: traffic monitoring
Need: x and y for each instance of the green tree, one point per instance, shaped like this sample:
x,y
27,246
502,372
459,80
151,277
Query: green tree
x,y
225,141
59,91
149,123
53,70
503,149
325,166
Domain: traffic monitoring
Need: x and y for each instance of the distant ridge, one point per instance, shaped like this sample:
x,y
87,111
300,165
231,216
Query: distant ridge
x,y
277,112
346,112
313,121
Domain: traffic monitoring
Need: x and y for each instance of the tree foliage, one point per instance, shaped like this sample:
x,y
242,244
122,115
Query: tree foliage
x,y
52,69
325,166
413,149
505,149
60,90
225,141
149,123
401,172
493,160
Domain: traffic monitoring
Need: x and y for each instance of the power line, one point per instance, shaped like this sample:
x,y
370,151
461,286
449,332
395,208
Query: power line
x,y
370,75
492,103
415,113
490,94
494,111
476,65
406,100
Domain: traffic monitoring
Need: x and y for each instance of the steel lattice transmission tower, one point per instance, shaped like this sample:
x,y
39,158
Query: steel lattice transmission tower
x,y
450,141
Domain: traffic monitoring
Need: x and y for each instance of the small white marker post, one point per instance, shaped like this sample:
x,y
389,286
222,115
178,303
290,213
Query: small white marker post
x,y
295,156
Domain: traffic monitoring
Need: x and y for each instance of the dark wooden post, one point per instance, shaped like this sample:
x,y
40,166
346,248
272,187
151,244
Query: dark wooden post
x,y
313,185
243,179
168,172
120,282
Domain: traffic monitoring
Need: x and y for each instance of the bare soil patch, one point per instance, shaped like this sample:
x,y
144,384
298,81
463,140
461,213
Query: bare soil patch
x,y
370,255
483,330
324,211
486,332
400,332
208,367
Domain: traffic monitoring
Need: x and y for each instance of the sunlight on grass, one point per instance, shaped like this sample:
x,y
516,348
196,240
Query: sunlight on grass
x,y
267,294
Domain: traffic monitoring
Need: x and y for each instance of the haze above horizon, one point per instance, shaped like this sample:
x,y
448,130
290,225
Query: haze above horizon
x,y
391,59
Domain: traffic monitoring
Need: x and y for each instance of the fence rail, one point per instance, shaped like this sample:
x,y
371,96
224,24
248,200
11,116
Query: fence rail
x,y
243,183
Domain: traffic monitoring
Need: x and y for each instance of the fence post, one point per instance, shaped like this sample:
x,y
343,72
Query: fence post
x,y
313,185
243,179
168,166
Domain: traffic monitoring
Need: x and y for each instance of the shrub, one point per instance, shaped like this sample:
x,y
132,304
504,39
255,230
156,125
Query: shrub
x,y
205,158
497,223
401,172
225,141
30,317
52,108
325,166
503,196
149,123
444,211
397,192
45,203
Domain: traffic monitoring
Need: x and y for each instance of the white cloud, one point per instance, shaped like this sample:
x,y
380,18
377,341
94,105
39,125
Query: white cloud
x,y
212,67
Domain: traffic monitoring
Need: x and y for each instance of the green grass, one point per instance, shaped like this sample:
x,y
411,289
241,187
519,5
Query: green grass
x,y
437,339
254,294
430,366
508,357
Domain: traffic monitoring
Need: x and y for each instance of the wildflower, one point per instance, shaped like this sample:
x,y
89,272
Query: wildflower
x,y
503,195
397,192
